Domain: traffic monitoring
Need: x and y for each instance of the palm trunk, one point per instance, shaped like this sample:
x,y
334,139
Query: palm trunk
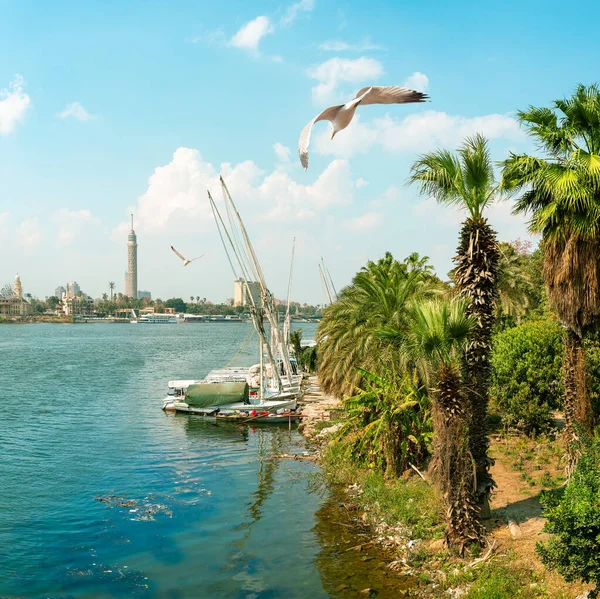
x,y
452,464
475,275
579,415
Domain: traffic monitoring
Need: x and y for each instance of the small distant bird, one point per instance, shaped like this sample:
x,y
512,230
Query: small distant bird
x,y
340,116
185,260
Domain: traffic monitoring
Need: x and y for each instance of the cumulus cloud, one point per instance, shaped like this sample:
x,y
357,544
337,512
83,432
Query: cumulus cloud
x,y
292,12
418,132
417,81
342,46
28,235
176,197
282,152
365,222
249,35
14,104
76,111
335,71
71,224
360,183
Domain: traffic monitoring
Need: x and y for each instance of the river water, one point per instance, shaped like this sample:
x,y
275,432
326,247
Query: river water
x,y
104,495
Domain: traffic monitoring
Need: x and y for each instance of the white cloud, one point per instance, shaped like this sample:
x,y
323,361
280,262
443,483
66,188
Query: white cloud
x,y
417,81
331,73
360,183
341,46
249,35
28,235
176,197
282,152
291,14
417,132
71,224
14,104
366,222
77,111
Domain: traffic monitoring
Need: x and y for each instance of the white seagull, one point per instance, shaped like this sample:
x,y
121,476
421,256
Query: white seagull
x,y
340,116
185,260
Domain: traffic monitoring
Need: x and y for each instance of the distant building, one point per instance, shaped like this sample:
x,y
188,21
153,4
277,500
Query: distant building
x,y
73,289
75,305
240,293
60,292
131,282
15,305
142,294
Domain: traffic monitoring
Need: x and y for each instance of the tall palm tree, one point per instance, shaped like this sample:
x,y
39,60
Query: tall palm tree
x,y
437,336
197,298
561,193
349,334
111,286
515,288
465,179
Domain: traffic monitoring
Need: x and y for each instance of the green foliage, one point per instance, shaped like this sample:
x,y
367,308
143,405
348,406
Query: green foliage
x,y
387,424
526,375
409,502
592,355
379,298
177,303
573,520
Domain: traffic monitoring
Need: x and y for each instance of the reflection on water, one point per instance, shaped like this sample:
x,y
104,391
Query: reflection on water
x,y
80,419
348,561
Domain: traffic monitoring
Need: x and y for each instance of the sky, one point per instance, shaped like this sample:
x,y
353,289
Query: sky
x,y
109,108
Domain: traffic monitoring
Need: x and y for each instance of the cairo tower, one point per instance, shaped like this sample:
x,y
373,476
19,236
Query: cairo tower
x,y
131,284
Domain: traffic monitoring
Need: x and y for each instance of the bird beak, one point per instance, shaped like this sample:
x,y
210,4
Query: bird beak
x,y
332,134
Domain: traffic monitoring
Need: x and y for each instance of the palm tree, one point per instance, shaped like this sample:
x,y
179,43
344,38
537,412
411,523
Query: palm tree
x,y
197,298
515,288
111,286
561,193
466,180
435,342
191,298
349,335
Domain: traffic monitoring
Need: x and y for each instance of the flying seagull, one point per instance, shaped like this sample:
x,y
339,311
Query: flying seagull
x,y
340,116
185,260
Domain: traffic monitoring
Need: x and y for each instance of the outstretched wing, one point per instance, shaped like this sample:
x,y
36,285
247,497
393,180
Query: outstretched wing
x,y
390,94
177,253
197,257
328,114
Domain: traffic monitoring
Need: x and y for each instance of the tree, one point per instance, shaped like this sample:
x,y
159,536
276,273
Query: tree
x,y
561,193
177,303
350,333
104,296
52,302
466,180
111,285
437,337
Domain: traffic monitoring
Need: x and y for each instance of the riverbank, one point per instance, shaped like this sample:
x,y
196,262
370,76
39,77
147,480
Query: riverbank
x,y
404,515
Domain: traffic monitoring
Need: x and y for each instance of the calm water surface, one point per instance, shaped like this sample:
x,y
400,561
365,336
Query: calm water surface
x,y
191,508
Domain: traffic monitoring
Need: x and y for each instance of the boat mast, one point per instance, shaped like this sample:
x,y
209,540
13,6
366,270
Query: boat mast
x,y
325,285
256,312
287,323
268,301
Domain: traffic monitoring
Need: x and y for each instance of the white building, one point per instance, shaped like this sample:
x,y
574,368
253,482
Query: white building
x,y
73,289
240,293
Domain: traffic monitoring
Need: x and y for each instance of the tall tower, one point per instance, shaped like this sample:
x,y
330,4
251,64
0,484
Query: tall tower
x,y
17,288
131,286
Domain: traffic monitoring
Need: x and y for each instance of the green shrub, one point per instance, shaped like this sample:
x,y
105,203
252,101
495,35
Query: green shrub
x,y
592,355
573,518
387,423
526,375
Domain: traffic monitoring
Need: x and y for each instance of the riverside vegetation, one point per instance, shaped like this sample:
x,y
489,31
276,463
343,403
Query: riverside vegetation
x,y
483,391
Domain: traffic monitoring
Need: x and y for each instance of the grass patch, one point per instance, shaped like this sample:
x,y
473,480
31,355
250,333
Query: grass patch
x,y
408,502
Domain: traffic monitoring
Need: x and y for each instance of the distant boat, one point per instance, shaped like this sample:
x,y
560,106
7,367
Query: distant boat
x,y
156,319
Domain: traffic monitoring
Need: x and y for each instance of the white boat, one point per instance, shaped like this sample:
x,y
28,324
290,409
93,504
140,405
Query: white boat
x,y
156,319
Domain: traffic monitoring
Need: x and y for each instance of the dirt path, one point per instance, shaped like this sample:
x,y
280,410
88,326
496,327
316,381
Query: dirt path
x,y
517,520
317,407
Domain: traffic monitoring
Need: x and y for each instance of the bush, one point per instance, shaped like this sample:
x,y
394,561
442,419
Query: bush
x,y
592,355
574,520
526,375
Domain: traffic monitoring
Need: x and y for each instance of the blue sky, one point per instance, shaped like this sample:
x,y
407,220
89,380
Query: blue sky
x,y
112,107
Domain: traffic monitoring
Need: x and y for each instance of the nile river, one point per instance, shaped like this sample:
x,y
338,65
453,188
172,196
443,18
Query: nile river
x,y
104,495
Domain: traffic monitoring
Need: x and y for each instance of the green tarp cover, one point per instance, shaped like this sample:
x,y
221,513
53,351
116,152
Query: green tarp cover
x,y
206,395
